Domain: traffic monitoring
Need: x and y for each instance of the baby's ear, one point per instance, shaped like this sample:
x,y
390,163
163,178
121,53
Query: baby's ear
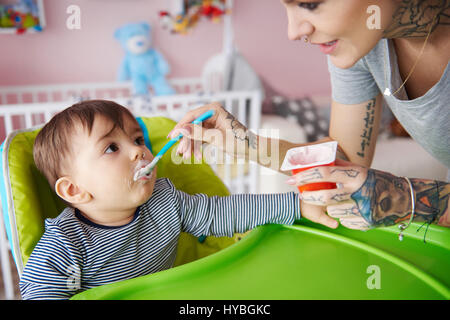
x,y
70,192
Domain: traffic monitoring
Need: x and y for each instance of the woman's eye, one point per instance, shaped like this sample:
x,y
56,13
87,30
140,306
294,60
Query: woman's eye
x,y
112,148
309,5
139,141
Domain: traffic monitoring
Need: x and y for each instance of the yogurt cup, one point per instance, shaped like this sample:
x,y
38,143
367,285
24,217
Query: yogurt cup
x,y
307,157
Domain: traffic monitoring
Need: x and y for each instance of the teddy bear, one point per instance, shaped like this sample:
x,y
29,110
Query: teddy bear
x,y
142,64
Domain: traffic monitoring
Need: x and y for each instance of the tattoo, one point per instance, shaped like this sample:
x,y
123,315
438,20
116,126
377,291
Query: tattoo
x,y
316,200
312,175
241,132
413,18
382,199
340,196
359,224
432,199
351,173
385,200
368,127
344,212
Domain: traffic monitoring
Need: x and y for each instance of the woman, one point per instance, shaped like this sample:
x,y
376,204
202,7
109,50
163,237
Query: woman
x,y
407,58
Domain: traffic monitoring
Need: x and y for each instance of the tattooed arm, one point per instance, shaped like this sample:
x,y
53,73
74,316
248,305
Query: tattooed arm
x,y
370,198
355,128
223,130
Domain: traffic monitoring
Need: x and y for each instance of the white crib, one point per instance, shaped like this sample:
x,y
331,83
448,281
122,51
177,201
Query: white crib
x,y
28,106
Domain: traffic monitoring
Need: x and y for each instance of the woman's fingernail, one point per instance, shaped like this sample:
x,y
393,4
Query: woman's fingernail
x,y
291,180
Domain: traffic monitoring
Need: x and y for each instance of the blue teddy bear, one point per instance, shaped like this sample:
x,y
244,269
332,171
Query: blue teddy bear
x,y
142,64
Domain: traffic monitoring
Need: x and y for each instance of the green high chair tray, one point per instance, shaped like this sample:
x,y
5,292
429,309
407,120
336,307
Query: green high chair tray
x,y
305,261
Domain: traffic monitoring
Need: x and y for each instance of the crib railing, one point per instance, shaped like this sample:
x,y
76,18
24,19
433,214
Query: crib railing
x,y
77,91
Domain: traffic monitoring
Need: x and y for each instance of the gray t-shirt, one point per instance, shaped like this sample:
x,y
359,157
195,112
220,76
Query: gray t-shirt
x,y
426,119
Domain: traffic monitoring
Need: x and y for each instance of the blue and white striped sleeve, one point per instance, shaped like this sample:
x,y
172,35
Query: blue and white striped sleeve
x,y
224,216
53,270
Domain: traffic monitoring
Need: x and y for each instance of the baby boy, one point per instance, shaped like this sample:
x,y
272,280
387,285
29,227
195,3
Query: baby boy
x,y
115,228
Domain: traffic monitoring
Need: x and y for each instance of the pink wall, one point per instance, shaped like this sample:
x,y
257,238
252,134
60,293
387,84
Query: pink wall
x,y
60,55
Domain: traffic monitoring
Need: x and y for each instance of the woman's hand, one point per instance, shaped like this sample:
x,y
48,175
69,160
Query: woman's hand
x,y
367,198
223,130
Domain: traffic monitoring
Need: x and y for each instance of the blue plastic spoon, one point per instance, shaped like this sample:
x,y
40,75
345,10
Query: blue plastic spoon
x,y
148,168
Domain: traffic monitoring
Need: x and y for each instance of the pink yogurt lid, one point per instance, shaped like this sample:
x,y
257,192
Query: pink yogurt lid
x,y
310,156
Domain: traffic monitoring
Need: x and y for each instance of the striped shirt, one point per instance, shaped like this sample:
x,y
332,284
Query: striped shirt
x,y
75,254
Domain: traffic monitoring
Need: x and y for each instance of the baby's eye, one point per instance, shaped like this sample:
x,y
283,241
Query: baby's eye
x,y
112,148
139,141
309,5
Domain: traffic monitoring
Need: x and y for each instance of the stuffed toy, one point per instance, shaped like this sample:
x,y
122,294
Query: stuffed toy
x,y
142,64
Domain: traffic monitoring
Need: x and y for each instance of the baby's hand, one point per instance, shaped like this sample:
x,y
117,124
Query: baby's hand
x,y
317,214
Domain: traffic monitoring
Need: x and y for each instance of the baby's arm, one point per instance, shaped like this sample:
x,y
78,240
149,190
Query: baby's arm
x,y
224,216
52,272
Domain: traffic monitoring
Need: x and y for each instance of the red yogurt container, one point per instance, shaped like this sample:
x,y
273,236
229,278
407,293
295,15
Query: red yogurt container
x,y
316,185
312,156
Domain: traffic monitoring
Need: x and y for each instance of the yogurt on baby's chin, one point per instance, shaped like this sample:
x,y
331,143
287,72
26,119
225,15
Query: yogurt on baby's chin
x,y
310,156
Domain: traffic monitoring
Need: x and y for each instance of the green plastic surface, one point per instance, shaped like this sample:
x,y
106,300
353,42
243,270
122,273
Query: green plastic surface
x,y
305,261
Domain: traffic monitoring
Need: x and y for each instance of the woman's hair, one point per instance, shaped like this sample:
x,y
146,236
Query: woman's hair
x,y
53,143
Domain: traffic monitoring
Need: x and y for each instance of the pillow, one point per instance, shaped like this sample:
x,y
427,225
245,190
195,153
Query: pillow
x,y
305,113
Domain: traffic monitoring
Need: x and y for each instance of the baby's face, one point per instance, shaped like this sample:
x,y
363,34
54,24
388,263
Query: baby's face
x,y
105,163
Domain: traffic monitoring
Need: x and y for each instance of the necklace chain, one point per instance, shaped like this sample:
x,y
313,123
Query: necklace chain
x,y
387,91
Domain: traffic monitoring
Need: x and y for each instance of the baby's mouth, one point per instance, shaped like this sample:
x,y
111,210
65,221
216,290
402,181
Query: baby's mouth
x,y
141,164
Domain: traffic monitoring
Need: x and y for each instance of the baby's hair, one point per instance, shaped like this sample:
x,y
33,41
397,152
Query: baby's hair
x,y
53,143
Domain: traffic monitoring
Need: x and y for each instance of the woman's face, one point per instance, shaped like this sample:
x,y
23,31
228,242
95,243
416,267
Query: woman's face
x,y
339,27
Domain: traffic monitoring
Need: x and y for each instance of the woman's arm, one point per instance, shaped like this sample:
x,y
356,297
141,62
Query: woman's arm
x,y
224,131
368,198
355,128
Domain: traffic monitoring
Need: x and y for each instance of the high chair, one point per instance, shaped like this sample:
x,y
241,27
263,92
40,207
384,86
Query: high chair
x,y
27,198
303,261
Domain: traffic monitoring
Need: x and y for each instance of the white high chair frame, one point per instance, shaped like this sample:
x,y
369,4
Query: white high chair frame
x,y
28,106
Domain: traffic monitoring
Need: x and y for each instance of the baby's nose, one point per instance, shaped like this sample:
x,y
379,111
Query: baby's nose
x,y
137,153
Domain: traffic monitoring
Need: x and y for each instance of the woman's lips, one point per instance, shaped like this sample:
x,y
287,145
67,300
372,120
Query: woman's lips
x,y
328,47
